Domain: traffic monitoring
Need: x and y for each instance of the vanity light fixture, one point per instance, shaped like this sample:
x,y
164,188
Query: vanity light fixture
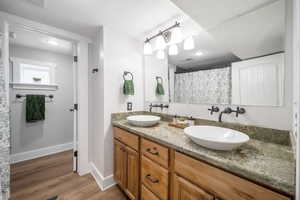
x,y
199,53
176,35
173,50
147,48
189,43
160,54
52,42
160,42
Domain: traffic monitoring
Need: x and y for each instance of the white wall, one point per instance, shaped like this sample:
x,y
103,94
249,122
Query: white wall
x,y
115,53
57,128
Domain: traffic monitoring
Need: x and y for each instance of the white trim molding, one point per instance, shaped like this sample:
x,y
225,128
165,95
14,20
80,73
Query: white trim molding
x,y
103,182
32,86
29,155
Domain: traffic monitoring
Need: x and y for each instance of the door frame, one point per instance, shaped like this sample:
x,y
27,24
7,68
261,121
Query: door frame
x,y
296,98
82,81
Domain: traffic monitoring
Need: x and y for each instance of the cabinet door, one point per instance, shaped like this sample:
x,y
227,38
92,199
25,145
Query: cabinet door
x,y
184,190
132,186
120,163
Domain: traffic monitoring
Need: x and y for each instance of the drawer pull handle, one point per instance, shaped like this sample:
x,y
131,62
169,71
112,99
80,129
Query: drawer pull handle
x,y
152,179
156,153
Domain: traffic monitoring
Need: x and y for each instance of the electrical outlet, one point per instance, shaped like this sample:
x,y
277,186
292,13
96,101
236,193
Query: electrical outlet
x,y
129,106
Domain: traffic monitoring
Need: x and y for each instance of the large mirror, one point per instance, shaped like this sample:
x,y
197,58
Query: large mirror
x,y
231,60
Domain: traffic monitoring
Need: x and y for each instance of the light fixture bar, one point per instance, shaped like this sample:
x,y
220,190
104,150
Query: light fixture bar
x,y
177,24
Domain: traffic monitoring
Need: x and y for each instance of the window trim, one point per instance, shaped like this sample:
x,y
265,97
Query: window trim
x,y
16,76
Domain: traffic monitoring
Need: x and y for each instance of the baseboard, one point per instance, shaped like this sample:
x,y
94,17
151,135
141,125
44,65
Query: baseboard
x,y
19,157
103,182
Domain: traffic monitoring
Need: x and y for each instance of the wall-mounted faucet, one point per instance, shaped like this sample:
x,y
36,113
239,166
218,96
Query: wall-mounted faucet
x,y
161,106
214,109
228,110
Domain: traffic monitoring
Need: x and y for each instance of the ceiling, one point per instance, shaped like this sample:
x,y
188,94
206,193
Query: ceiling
x,y
241,31
224,30
134,17
40,41
210,13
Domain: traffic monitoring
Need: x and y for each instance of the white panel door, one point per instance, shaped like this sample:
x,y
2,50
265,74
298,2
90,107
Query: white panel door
x,y
258,81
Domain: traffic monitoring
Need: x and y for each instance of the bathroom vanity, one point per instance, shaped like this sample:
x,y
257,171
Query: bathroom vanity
x,y
161,163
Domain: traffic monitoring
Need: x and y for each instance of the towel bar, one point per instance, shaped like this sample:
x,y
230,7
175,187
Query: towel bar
x,y
18,96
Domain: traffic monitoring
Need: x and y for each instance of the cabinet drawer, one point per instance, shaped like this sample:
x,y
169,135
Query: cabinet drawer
x,y
155,178
147,194
183,189
155,152
221,183
127,138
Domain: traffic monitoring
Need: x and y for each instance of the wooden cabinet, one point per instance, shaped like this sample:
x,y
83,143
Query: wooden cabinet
x,y
148,195
184,190
155,152
155,178
220,183
132,186
120,164
126,163
161,173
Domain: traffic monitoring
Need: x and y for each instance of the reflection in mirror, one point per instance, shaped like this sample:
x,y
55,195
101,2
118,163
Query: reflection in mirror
x,y
237,61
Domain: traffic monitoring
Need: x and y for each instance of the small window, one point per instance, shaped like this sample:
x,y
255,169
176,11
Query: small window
x,y
29,74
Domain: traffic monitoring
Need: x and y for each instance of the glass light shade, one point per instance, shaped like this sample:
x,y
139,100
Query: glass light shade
x,y
147,48
189,43
176,36
160,54
160,42
173,50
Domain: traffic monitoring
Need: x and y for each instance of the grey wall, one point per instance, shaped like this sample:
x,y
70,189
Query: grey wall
x,y
58,125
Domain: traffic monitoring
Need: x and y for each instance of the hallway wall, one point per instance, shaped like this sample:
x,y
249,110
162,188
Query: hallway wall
x,y
57,128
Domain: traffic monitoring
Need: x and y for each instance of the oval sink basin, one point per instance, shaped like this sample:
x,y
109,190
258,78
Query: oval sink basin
x,y
216,138
143,120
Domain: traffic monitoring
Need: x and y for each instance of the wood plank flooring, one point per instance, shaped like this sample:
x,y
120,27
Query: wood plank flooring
x,y
50,176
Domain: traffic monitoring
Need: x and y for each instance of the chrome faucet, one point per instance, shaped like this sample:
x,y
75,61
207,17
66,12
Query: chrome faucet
x,y
228,110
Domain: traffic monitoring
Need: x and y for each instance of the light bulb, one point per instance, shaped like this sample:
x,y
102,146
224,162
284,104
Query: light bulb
x,y
189,43
160,42
199,53
173,50
176,35
147,48
160,54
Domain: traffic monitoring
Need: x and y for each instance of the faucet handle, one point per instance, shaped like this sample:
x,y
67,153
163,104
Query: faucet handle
x,y
240,111
214,109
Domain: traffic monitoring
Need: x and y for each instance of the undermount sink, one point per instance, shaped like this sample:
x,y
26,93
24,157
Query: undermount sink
x,y
143,120
216,138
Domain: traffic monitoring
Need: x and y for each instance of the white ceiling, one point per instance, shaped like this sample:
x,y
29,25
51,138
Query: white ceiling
x,y
257,33
211,13
40,41
134,17
216,23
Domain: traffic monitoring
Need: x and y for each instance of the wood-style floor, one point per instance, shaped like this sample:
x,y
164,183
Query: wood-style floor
x,y
50,176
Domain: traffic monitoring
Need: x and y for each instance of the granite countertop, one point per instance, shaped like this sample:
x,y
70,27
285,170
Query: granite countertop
x,y
266,163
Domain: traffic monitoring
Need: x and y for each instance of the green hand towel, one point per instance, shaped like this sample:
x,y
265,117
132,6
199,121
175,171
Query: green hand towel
x,y
35,108
160,89
128,88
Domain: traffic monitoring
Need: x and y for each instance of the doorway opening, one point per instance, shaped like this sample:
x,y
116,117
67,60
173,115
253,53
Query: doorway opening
x,y
43,104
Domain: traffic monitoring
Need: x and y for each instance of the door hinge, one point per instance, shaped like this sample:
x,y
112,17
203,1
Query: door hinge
x,y
75,58
76,106
75,153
